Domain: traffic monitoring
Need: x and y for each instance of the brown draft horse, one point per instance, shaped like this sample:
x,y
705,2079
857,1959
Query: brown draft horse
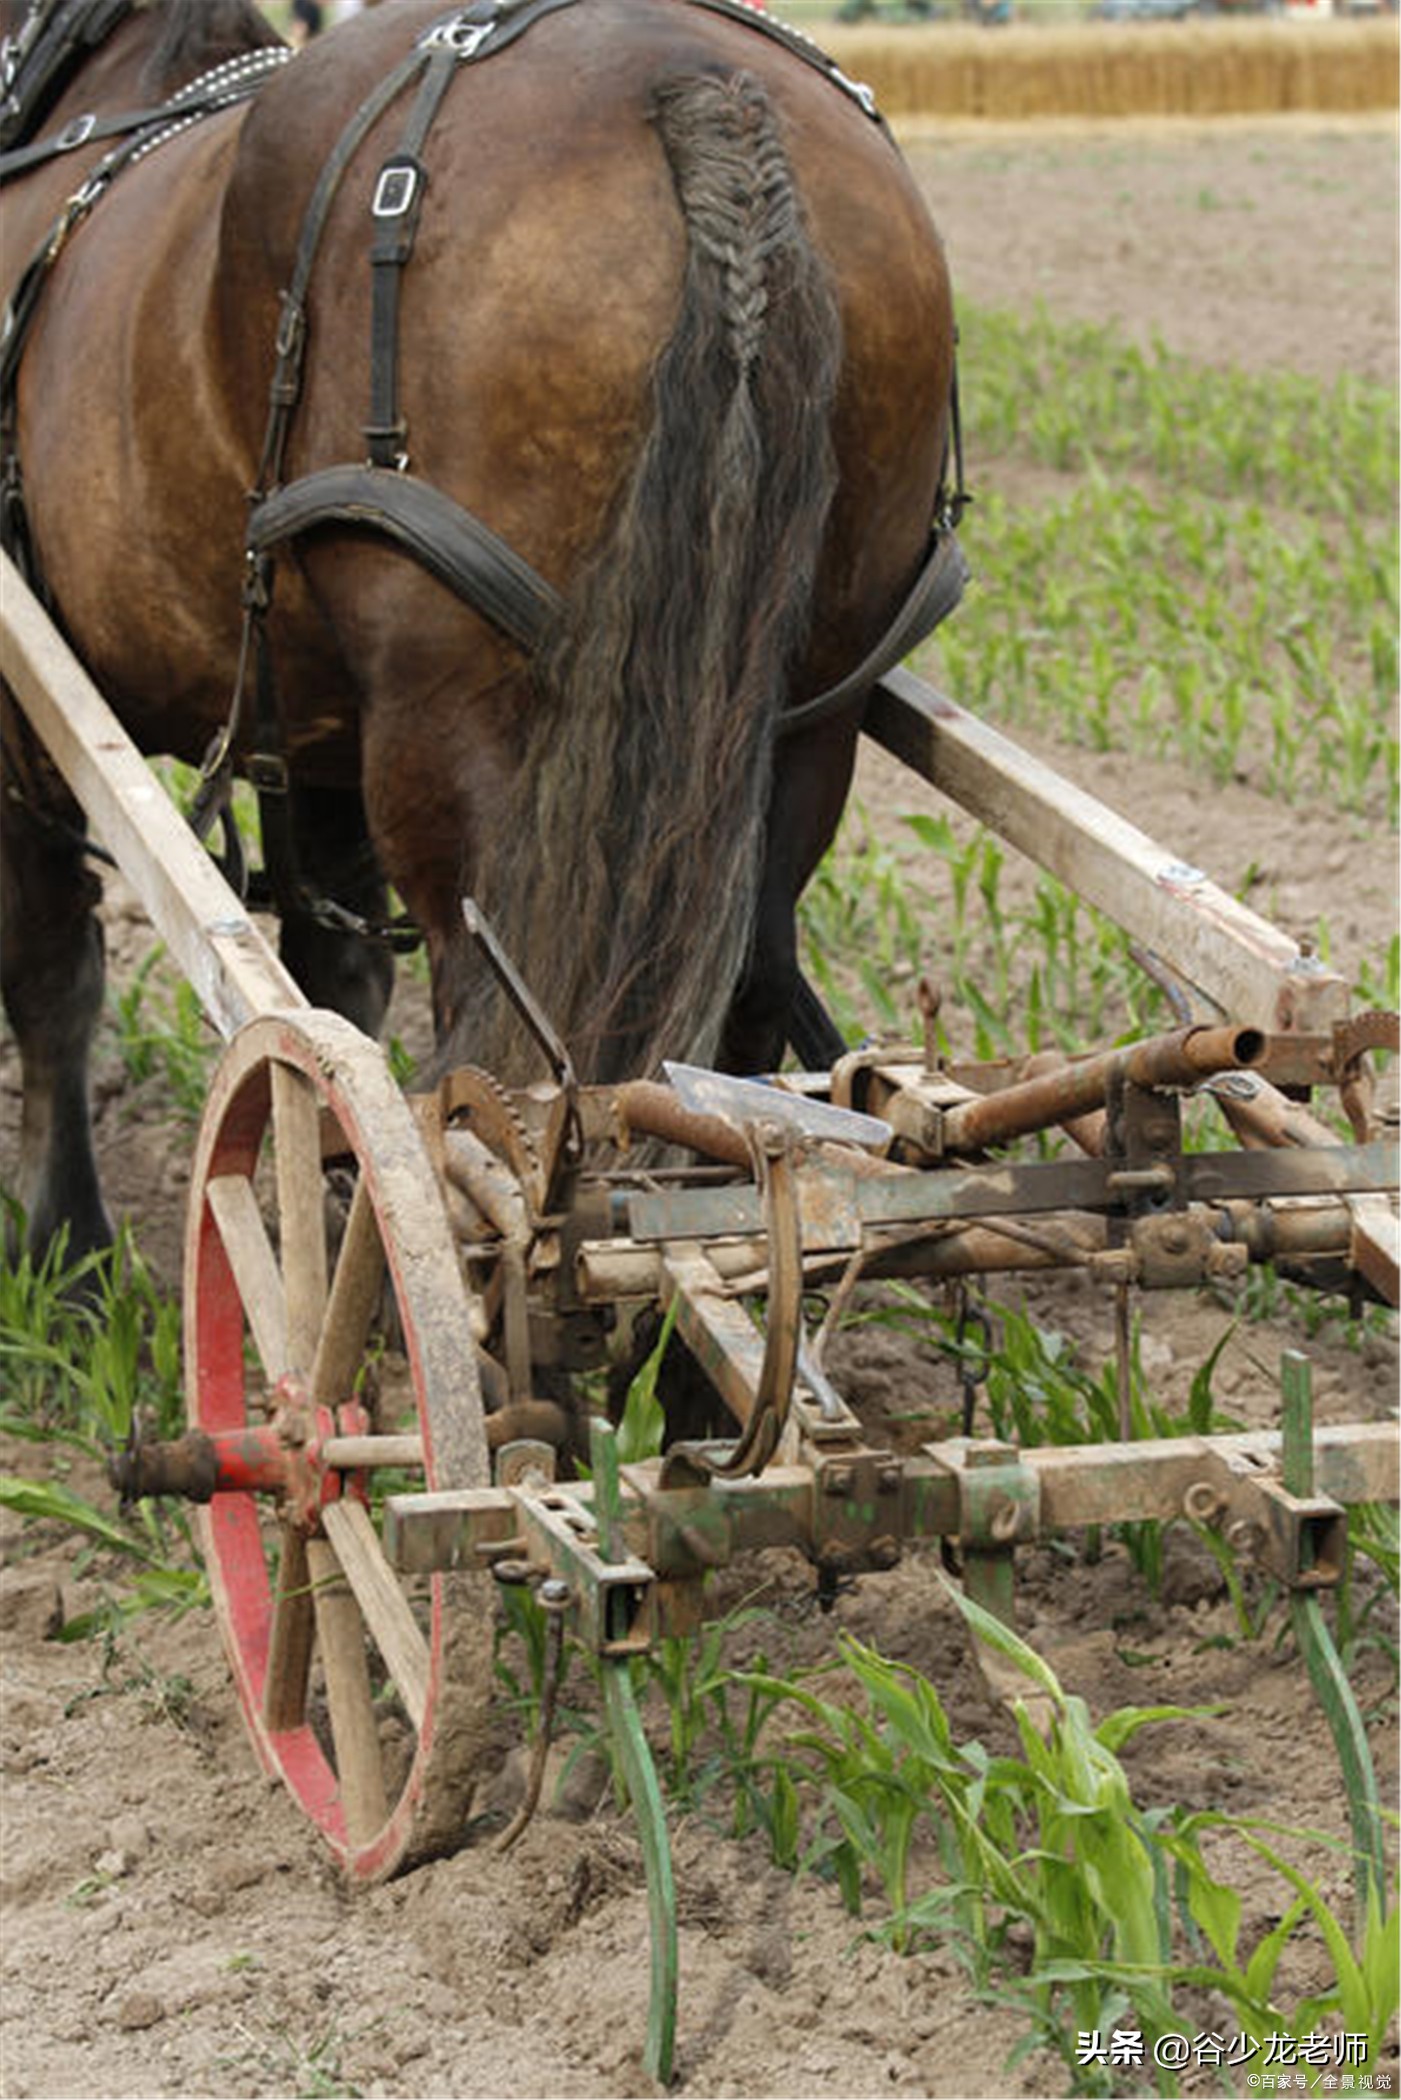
x,y
676,327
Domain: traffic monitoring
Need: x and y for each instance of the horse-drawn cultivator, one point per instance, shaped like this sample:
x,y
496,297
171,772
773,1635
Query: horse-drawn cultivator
x,y
369,1474
644,286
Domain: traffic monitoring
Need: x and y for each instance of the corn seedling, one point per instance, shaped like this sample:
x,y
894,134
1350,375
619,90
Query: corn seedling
x,y
89,1350
1071,395
1049,1843
1204,632
162,1035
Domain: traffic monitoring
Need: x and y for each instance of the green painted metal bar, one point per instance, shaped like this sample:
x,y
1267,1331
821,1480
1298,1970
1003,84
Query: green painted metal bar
x,y
1321,1657
641,1775
1009,1189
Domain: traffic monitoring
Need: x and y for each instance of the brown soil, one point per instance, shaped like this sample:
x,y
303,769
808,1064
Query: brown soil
x,y
170,1924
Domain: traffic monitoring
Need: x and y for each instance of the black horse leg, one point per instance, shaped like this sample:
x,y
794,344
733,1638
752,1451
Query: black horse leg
x,y
757,1028
773,1006
336,967
52,975
813,1036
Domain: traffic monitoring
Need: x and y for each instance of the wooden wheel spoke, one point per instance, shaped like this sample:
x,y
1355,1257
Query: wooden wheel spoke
x,y
352,1304
301,1210
289,1644
340,1636
234,1208
391,1623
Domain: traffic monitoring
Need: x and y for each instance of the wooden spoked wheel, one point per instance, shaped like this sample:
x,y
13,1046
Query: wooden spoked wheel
x,y
329,1362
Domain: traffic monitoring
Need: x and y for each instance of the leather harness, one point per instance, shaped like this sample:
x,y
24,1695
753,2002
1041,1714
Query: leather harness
x,y
380,496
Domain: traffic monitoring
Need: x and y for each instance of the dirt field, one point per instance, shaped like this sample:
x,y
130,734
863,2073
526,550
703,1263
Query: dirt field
x,y
169,1924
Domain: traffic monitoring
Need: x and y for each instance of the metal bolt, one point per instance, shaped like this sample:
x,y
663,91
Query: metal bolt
x,y
1202,1502
836,1480
554,1593
1002,1518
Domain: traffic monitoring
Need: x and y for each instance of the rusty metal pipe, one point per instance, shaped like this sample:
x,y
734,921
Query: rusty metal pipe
x,y
1176,1060
538,1421
648,1109
1277,1231
605,1272
981,1250
187,1467
1090,1132
1261,1116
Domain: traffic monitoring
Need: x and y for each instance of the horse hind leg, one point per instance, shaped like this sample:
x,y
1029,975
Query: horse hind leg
x,y
351,972
52,975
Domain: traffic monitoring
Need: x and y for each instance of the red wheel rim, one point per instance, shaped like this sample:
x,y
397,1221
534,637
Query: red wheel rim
x,y
332,1076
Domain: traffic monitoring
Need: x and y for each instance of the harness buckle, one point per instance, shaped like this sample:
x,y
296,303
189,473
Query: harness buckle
x,y
267,770
463,38
291,326
77,133
396,189
858,90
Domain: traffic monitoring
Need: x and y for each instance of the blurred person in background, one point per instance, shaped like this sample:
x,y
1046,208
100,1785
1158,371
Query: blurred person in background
x,y
308,20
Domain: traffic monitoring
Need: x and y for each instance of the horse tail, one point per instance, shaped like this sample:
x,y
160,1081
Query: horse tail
x,y
628,881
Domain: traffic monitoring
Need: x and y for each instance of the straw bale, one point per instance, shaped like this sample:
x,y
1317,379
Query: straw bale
x,y
1200,67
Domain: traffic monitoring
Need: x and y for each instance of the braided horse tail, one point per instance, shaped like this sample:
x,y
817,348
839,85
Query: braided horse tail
x,y
627,886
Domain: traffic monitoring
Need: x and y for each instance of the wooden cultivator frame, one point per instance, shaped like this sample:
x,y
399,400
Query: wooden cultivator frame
x,y
360,1499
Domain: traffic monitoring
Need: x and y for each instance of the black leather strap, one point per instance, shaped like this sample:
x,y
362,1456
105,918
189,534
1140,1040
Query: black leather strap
x,y
801,46
285,390
933,596
395,208
446,540
475,33
52,44
83,131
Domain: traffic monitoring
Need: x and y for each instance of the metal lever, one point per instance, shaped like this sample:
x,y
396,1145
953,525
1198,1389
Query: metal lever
x,y
520,995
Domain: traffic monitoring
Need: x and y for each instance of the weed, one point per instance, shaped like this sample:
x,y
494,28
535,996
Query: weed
x,y
88,1892
310,2067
